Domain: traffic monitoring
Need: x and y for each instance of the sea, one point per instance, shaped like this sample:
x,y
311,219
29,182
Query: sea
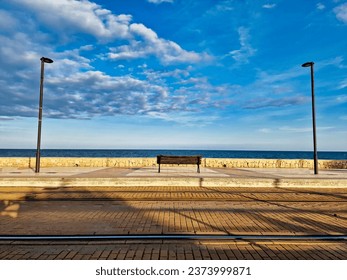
x,y
153,153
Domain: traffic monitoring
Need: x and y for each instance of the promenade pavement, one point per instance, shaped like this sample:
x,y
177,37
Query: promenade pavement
x,y
190,172
233,220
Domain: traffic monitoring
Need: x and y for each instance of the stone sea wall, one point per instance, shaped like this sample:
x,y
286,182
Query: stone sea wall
x,y
26,162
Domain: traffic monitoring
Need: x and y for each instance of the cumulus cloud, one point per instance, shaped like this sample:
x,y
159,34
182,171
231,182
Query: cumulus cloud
x,y
341,12
94,93
71,16
19,72
84,95
246,51
79,16
74,89
88,94
167,51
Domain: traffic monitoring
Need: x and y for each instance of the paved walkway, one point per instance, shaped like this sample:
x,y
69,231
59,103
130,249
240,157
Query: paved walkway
x,y
102,172
180,210
174,250
172,210
172,176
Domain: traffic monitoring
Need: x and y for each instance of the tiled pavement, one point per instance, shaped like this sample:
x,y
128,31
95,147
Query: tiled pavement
x,y
173,210
174,250
183,172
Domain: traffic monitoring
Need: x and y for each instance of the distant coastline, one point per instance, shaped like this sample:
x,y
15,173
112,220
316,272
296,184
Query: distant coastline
x,y
144,153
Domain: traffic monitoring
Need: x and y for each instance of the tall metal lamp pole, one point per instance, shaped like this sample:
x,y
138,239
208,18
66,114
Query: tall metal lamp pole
x,y
310,64
43,61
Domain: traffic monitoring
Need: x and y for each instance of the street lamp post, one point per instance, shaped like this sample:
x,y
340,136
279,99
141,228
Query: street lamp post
x,y
310,64
43,61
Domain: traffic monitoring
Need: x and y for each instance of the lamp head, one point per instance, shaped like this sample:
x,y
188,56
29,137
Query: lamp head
x,y
46,60
308,64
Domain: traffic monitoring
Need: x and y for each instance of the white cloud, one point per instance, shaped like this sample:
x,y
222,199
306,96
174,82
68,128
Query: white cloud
x,y
167,51
320,6
341,12
269,6
160,1
246,51
71,16
336,61
95,93
79,16
74,89
343,84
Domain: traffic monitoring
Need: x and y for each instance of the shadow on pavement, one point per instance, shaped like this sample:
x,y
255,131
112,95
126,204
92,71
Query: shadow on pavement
x,y
162,210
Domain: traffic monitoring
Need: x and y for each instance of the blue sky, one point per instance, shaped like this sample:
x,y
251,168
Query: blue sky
x,y
183,74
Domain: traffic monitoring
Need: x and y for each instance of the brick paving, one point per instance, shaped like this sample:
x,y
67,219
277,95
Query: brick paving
x,y
175,250
173,210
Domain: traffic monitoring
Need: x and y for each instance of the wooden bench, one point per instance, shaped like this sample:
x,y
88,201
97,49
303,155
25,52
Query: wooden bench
x,y
162,159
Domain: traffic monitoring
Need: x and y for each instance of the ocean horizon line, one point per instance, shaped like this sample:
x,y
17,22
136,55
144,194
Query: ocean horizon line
x,y
138,153
179,149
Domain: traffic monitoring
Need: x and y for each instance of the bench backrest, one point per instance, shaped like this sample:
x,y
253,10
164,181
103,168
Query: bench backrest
x,y
162,159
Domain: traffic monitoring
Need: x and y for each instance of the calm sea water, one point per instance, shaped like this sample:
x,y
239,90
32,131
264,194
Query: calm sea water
x,y
154,153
